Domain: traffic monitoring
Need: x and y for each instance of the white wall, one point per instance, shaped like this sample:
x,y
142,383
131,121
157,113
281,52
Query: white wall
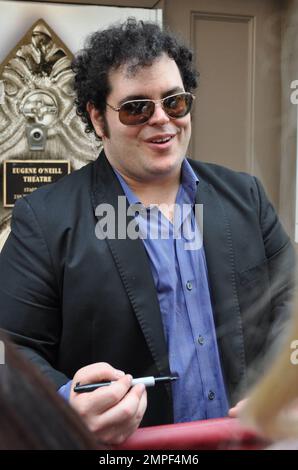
x,y
72,23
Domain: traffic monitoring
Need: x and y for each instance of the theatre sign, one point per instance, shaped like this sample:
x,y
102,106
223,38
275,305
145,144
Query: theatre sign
x,y
22,177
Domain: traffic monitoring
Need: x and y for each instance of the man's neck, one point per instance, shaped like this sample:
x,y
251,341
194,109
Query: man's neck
x,y
156,191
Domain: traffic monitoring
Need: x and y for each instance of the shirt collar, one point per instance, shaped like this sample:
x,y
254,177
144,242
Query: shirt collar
x,y
131,196
189,183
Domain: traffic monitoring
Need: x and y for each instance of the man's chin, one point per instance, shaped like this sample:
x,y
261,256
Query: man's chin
x,y
165,165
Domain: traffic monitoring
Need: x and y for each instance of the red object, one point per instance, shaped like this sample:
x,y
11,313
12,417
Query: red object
x,y
211,434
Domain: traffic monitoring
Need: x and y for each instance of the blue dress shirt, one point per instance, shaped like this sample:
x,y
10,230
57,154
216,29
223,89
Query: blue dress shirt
x,y
181,282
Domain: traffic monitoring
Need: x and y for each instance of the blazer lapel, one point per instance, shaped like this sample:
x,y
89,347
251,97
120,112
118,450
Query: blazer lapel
x,y
217,240
131,260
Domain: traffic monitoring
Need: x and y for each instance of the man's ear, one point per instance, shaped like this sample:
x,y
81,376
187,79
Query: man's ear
x,y
96,119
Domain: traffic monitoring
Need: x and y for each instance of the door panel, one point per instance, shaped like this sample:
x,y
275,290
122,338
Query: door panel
x,y
226,87
237,115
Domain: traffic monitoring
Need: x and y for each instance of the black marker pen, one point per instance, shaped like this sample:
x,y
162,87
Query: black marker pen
x,y
147,381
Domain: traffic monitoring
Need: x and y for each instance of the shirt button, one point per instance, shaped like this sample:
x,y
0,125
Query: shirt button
x,y
201,340
189,285
211,395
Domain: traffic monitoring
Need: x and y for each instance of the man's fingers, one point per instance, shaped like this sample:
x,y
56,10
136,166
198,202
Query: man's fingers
x,y
94,373
234,412
142,406
92,404
126,409
97,372
117,423
111,412
104,398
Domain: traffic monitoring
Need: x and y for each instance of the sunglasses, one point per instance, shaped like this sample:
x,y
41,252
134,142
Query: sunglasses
x,y
137,112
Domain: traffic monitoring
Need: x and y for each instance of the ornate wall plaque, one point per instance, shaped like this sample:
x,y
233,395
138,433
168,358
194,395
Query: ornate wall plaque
x,y
38,120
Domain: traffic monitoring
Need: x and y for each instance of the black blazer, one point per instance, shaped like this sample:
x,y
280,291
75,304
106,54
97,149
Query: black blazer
x,y
68,299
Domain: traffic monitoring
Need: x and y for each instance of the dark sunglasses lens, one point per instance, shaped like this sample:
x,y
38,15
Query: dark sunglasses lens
x,y
179,105
133,113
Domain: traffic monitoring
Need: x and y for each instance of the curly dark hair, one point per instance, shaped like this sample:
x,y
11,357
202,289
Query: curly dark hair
x,y
136,43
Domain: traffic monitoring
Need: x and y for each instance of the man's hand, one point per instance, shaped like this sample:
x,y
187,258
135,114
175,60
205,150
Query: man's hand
x,y
113,412
234,412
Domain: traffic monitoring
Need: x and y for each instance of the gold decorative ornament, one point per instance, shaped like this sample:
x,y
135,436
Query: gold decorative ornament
x,y
38,119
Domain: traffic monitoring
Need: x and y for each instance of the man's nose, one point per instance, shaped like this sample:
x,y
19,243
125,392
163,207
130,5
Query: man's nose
x,y
159,116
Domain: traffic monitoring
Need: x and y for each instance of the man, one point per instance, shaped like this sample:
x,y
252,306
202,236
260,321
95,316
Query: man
x,y
71,297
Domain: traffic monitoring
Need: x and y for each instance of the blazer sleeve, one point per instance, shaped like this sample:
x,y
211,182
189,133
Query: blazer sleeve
x,y
29,296
280,256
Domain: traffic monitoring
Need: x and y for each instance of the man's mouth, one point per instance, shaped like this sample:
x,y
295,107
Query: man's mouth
x,y
161,140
